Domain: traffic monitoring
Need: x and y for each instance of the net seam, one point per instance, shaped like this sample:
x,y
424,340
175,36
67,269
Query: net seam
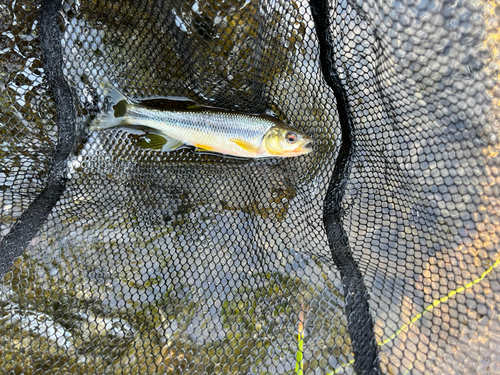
x,y
28,224
360,324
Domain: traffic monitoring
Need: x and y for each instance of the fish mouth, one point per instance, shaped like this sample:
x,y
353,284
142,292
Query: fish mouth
x,y
307,147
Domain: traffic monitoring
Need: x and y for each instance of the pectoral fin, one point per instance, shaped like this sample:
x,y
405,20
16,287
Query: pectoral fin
x,y
245,145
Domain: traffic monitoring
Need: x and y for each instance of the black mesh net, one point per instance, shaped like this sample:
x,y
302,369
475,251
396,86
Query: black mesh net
x,y
376,253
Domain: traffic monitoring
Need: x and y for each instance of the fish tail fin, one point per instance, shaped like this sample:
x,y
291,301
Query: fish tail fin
x,y
116,115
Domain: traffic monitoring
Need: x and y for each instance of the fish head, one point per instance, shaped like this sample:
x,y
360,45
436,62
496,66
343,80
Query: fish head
x,y
287,142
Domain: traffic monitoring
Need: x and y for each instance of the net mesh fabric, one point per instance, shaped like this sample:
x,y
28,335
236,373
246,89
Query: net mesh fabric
x,y
155,262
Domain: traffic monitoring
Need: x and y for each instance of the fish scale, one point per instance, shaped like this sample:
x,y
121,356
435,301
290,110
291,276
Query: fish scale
x,y
217,122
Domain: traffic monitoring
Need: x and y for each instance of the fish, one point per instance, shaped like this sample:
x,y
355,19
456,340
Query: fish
x,y
208,129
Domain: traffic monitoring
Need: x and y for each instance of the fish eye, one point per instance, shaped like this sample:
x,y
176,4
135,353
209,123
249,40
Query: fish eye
x,y
291,137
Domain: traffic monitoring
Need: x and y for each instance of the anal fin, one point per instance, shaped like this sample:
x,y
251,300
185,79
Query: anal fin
x,y
200,147
156,141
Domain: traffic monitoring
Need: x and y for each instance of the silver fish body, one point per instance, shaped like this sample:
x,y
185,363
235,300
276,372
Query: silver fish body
x,y
213,130
207,130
